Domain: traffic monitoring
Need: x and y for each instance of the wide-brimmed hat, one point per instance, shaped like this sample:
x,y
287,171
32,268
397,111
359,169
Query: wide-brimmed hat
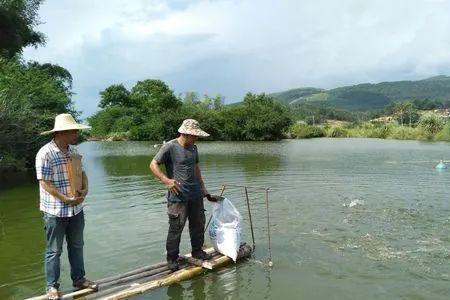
x,y
191,126
66,122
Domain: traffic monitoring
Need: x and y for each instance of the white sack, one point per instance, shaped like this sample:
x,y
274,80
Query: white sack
x,y
225,228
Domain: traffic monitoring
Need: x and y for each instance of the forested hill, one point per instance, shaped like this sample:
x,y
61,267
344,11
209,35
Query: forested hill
x,y
368,96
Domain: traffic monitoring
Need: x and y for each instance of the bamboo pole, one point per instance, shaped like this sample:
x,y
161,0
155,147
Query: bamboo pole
x,y
176,277
266,196
133,272
183,264
122,278
151,285
104,293
250,216
221,261
103,283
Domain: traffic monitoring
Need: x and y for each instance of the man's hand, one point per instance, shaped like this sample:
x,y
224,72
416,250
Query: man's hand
x,y
78,200
173,186
52,190
83,193
73,200
204,190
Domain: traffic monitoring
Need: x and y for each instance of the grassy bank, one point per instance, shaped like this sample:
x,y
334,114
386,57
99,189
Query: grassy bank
x,y
392,130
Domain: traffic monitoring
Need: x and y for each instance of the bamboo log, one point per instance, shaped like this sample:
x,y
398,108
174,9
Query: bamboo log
x,y
211,265
175,277
136,276
181,275
133,272
103,283
149,278
244,252
118,279
199,262
209,250
192,261
104,293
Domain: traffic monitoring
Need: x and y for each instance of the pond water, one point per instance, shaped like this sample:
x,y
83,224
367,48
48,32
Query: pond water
x,y
350,219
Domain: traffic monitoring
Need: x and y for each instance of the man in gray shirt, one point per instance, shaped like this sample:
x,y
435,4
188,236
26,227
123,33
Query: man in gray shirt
x,y
186,190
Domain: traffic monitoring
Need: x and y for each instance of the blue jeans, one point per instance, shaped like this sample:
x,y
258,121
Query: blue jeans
x,y
55,229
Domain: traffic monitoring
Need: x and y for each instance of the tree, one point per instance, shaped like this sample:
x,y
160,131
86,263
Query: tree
x,y
113,119
30,98
411,112
259,117
156,114
399,111
190,98
17,21
207,102
154,96
58,73
115,94
218,102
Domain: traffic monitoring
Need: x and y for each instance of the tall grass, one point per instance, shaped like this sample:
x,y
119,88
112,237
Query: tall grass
x,y
429,127
302,130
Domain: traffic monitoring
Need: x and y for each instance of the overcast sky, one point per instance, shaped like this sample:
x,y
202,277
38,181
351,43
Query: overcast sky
x,y
231,47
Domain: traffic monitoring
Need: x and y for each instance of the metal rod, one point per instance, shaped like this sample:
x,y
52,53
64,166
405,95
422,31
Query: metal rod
x,y
268,226
251,187
221,194
250,216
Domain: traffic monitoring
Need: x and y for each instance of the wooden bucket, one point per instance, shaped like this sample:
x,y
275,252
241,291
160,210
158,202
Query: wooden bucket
x,y
75,170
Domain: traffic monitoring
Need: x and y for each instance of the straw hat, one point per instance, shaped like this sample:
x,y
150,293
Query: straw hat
x,y
66,122
191,126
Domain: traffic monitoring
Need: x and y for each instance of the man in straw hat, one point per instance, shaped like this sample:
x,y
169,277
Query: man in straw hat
x,y
185,190
63,209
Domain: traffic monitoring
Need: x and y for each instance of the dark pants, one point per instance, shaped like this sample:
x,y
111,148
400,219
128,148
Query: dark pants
x,y
179,212
56,228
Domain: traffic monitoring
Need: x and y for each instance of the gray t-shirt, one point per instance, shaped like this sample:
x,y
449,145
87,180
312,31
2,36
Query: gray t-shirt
x,y
180,165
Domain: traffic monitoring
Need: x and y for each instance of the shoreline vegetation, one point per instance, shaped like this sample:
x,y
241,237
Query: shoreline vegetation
x,y
33,93
301,130
431,127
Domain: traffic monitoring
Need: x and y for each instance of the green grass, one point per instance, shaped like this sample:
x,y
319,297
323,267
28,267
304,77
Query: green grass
x,y
391,130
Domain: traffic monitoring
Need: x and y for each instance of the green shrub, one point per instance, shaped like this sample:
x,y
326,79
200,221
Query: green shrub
x,y
305,131
337,131
405,133
431,124
118,136
444,134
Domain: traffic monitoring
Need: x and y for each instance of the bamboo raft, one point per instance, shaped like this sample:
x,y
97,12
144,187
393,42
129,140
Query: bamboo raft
x,y
151,277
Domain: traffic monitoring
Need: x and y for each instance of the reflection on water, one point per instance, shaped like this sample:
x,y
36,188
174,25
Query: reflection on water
x,y
351,219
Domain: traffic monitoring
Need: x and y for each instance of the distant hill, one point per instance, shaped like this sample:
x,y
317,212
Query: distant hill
x,y
367,96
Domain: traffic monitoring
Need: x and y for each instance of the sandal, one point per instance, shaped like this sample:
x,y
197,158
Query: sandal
x,y
86,284
53,294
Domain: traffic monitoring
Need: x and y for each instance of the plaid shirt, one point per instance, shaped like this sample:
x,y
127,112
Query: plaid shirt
x,y
51,165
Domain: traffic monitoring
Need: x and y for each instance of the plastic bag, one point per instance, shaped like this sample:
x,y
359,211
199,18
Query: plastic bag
x,y
225,228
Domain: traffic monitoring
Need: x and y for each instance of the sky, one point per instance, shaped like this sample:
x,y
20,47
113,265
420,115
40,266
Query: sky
x,y
231,47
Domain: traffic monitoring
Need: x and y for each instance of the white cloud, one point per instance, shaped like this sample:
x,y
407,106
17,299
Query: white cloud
x,y
231,47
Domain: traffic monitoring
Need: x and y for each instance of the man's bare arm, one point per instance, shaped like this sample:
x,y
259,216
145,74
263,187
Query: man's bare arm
x,y
171,184
52,190
198,174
